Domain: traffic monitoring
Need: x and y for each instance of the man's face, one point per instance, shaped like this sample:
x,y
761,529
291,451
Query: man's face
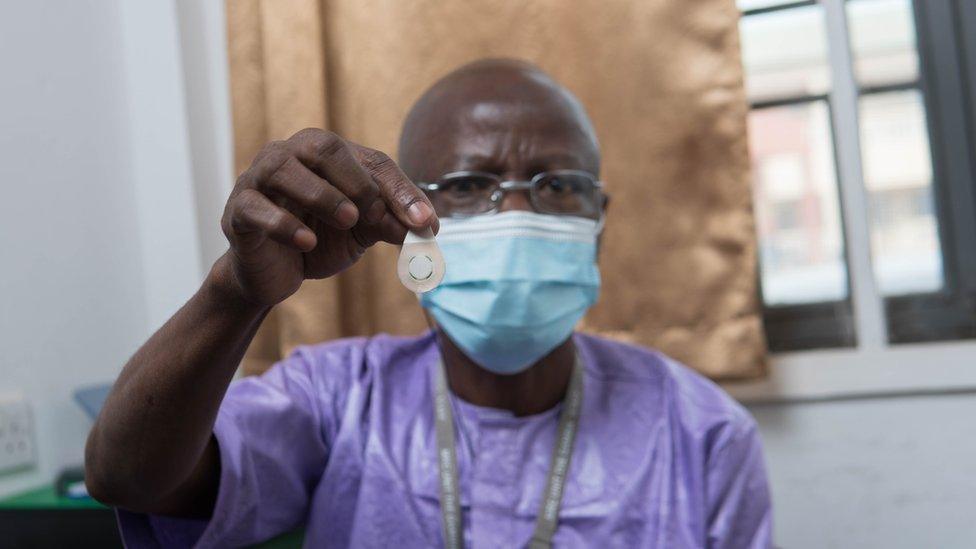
x,y
502,118
505,121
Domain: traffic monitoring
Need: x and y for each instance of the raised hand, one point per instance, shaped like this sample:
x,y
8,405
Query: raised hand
x,y
309,207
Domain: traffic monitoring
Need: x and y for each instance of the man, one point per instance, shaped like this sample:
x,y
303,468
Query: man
x,y
500,428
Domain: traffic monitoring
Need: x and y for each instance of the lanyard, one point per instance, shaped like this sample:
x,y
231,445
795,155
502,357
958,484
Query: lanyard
x,y
548,517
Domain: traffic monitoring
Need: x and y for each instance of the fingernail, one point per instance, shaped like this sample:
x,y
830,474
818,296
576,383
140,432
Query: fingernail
x,y
419,212
347,214
376,212
304,238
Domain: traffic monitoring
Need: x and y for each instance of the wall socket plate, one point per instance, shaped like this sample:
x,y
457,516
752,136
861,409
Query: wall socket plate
x,y
17,447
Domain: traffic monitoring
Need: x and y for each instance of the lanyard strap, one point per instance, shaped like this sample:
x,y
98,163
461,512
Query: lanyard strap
x,y
562,452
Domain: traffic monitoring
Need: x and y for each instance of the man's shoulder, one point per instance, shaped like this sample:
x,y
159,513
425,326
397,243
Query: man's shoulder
x,y
653,374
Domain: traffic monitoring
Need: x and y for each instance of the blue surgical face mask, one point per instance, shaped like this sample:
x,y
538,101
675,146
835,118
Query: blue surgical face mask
x,y
516,285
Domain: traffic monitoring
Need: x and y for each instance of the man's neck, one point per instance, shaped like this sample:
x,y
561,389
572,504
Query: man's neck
x,y
534,390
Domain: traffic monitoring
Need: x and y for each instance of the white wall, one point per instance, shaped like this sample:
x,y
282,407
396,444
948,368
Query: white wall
x,y
99,240
873,473
206,79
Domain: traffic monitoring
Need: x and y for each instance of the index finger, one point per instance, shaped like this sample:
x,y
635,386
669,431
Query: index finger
x,y
406,201
332,158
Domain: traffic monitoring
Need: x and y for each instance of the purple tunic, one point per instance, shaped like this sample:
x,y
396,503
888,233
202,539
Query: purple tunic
x,y
341,437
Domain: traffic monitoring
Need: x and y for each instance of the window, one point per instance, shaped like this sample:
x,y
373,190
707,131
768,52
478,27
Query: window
x,y
861,137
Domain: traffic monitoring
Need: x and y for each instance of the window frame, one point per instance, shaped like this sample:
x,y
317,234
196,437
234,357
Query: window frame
x,y
866,319
949,314
826,324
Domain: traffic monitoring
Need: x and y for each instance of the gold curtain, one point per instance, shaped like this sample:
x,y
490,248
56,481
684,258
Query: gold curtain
x,y
662,81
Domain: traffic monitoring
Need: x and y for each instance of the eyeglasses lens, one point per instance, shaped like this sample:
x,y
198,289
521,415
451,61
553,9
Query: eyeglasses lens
x,y
566,194
465,195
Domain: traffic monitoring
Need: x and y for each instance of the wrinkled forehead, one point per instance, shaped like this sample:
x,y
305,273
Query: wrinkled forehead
x,y
504,137
500,125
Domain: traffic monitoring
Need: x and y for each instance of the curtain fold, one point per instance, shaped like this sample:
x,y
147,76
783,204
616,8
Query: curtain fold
x,y
662,81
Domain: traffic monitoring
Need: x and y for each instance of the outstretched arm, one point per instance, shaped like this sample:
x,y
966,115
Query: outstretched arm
x,y
308,207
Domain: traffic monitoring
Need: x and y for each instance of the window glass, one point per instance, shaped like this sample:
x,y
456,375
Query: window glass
x,y
898,175
882,35
784,53
797,210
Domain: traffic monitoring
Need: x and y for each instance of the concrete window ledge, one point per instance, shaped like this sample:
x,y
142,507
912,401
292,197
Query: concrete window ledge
x,y
841,374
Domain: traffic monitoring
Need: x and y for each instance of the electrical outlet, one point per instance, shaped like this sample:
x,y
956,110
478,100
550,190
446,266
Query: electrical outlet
x,y
16,434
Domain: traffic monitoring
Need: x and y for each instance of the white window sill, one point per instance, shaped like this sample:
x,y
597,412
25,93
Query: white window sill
x,y
856,373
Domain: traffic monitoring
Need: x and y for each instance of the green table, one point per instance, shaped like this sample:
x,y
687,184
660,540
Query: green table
x,y
40,518
47,497
44,504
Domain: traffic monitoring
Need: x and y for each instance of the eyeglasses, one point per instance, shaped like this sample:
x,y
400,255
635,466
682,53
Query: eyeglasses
x,y
558,192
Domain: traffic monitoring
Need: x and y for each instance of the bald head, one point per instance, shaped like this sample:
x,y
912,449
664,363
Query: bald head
x,y
501,116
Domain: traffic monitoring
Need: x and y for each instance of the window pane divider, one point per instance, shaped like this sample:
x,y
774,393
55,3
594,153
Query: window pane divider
x,y
869,316
779,7
900,86
787,101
